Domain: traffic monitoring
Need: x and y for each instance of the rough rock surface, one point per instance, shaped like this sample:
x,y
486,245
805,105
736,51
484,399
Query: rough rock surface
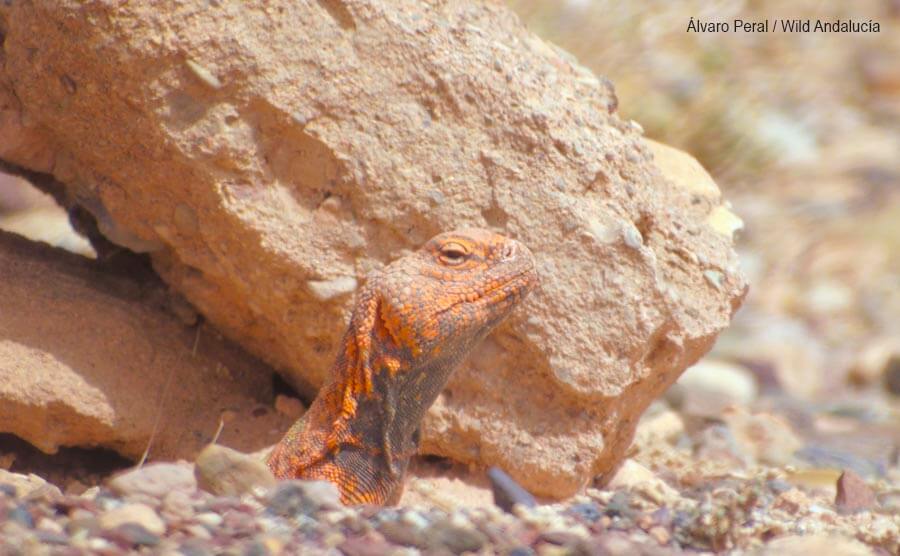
x,y
85,356
269,156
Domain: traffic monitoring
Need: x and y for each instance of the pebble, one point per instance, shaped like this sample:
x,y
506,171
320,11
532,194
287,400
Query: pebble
x,y
21,515
853,494
290,498
17,484
138,514
403,533
177,505
588,511
507,492
154,480
208,519
370,544
132,534
226,472
289,406
764,437
455,537
891,375
635,477
712,385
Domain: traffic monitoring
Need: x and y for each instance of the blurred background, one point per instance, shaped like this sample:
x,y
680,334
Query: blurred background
x,y
802,133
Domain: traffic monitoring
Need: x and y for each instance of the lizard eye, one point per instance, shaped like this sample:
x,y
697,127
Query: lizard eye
x,y
453,253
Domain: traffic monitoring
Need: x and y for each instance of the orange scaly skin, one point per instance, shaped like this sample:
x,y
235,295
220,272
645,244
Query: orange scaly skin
x,y
412,324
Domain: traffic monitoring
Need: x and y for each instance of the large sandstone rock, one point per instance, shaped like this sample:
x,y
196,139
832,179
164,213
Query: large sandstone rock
x,y
90,358
269,156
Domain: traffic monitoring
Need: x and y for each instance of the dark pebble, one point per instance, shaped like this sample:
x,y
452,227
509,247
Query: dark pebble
x,y
291,498
587,511
560,538
892,375
521,551
21,515
507,492
620,506
8,490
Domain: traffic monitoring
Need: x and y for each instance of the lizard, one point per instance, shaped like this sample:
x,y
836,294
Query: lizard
x,y
411,325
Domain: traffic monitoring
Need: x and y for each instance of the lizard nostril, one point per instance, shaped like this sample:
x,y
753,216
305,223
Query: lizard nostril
x,y
509,250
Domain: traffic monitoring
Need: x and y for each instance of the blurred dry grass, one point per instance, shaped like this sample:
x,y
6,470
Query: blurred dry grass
x,y
801,131
740,102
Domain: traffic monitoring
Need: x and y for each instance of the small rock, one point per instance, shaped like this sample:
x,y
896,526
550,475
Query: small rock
x,y
177,505
52,537
256,548
613,544
710,386
323,290
507,492
23,484
793,501
457,538
90,526
75,487
717,443
560,538
132,534
21,515
210,520
289,406
873,361
370,544
664,426
290,498
767,438
154,480
660,534
226,472
853,494
635,477
587,511
891,375
195,547
48,524
403,533
620,506
139,514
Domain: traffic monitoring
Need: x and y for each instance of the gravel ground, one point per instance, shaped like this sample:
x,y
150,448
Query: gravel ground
x,y
159,509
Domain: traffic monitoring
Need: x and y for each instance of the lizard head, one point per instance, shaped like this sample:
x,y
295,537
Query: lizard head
x,y
441,300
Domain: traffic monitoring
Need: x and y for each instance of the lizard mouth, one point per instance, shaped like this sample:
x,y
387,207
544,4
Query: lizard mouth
x,y
526,279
